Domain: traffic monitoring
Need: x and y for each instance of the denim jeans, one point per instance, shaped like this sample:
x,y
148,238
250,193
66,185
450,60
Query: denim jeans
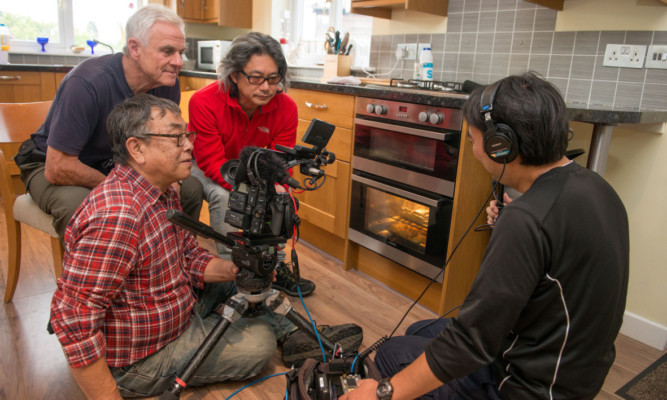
x,y
243,350
217,198
401,351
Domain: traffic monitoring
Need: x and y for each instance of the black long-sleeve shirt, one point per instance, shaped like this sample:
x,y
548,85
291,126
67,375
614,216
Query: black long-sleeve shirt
x,y
549,298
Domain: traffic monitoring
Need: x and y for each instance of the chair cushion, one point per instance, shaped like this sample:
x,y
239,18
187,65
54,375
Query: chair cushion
x,y
28,212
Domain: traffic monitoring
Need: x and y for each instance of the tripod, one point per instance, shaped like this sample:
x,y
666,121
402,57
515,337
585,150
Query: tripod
x,y
253,260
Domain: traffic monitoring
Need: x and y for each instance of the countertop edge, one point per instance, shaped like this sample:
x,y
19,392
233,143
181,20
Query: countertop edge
x,y
577,112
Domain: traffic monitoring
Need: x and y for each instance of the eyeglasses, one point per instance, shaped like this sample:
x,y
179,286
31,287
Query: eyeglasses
x,y
259,80
180,137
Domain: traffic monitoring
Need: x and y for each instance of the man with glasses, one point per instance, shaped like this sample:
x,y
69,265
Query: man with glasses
x,y
70,154
136,297
245,107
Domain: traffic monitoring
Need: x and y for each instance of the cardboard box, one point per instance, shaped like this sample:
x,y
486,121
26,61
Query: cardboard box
x,y
336,65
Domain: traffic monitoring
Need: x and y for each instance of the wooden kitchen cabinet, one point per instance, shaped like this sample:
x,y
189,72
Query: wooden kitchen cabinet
x,y
324,212
384,8
26,86
232,13
193,82
201,11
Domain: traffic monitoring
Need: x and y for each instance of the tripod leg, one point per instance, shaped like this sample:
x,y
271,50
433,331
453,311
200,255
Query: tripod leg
x,y
233,309
279,303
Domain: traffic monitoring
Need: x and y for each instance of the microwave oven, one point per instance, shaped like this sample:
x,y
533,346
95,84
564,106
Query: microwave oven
x,y
210,52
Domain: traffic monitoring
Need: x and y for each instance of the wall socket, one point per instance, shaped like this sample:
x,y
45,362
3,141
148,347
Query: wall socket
x,y
406,51
624,55
656,56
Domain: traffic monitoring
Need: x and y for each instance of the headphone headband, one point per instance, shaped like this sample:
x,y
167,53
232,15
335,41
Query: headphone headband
x,y
500,141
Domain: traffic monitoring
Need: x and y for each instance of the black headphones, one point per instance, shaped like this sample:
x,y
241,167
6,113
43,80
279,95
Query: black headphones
x,y
500,141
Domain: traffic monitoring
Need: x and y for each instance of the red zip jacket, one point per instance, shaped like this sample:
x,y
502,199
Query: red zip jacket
x,y
223,128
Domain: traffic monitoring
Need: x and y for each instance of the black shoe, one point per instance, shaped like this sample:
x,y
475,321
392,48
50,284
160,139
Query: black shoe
x,y
299,346
286,282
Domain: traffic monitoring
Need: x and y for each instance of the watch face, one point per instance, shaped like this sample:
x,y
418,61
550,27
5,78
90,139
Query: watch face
x,y
384,390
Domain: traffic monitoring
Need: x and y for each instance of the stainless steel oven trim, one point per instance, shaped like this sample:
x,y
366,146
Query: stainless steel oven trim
x,y
401,175
405,129
399,192
415,264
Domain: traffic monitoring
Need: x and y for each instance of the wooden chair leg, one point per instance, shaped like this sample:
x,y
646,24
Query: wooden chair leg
x,y
57,252
14,258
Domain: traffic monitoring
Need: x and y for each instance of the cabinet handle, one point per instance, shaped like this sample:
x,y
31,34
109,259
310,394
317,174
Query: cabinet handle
x,y
316,106
10,77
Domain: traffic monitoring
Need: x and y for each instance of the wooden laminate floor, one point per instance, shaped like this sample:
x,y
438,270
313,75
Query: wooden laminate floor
x,y
35,368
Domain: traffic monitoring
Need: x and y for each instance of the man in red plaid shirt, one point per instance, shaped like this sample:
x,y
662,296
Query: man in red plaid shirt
x,y
132,307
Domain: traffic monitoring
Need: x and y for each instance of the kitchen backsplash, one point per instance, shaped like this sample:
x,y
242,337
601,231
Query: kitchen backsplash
x,y
488,40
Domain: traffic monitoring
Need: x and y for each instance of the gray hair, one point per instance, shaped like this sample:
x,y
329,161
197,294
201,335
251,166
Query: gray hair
x,y
130,118
140,23
240,52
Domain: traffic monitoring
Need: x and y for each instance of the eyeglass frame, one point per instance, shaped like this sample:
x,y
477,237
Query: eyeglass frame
x,y
180,137
264,79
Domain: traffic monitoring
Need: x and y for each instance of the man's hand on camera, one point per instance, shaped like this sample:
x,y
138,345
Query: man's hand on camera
x,y
219,270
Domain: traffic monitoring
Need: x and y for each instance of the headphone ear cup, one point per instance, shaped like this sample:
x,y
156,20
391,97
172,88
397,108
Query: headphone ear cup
x,y
501,145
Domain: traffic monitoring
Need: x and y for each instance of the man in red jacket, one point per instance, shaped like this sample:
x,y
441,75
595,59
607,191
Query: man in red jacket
x,y
245,107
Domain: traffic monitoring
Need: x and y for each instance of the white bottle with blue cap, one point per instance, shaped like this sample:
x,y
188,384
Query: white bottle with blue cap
x,y
426,61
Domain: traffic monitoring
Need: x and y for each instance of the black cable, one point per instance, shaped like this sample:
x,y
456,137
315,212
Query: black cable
x,y
453,251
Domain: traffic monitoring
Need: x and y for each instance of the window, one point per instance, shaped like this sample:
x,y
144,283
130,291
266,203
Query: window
x,y
312,18
67,22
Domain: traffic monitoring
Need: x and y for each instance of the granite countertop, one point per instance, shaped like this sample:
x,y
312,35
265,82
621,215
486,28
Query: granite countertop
x,y
578,112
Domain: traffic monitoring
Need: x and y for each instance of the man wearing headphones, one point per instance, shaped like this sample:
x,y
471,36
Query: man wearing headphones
x,y
545,308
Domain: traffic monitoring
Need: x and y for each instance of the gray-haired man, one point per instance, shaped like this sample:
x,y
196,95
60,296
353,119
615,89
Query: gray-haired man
x,y
70,151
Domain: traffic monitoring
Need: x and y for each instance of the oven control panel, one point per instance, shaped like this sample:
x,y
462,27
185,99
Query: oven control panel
x,y
440,117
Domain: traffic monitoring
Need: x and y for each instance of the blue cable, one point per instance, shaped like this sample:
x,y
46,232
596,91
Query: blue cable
x,y
324,358
252,383
354,362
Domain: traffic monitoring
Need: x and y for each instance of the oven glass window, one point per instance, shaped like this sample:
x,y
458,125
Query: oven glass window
x,y
413,151
397,219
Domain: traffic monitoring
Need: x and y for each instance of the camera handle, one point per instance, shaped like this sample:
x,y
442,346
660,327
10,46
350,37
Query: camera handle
x,y
230,312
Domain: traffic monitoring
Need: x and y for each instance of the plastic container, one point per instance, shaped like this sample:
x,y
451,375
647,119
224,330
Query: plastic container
x,y
4,55
5,37
426,61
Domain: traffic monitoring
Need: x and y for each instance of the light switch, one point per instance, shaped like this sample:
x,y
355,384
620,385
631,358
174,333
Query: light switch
x,y
656,56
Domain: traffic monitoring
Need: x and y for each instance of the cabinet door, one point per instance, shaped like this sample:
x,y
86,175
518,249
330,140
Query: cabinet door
x,y
209,12
189,10
26,86
327,207
337,109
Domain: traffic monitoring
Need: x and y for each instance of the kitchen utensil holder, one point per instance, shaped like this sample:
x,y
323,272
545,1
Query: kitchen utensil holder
x,y
336,65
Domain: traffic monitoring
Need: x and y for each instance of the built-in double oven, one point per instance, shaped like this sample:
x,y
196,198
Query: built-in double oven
x,y
404,174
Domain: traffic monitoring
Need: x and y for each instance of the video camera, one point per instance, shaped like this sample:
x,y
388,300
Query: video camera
x,y
254,205
266,218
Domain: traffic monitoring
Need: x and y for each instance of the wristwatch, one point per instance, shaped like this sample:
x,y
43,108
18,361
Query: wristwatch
x,y
384,390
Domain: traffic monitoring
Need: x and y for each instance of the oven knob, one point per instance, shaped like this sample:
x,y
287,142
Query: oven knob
x,y
370,108
436,118
380,109
424,116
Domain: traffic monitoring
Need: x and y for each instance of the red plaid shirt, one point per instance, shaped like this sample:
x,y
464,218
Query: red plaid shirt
x,y
128,274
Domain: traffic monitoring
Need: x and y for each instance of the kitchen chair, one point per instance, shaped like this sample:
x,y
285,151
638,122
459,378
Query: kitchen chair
x,y
17,122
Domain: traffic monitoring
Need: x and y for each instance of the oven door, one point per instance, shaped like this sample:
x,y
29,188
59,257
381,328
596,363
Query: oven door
x,y
408,226
415,157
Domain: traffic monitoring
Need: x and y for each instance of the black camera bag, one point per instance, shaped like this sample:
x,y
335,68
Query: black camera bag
x,y
300,382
